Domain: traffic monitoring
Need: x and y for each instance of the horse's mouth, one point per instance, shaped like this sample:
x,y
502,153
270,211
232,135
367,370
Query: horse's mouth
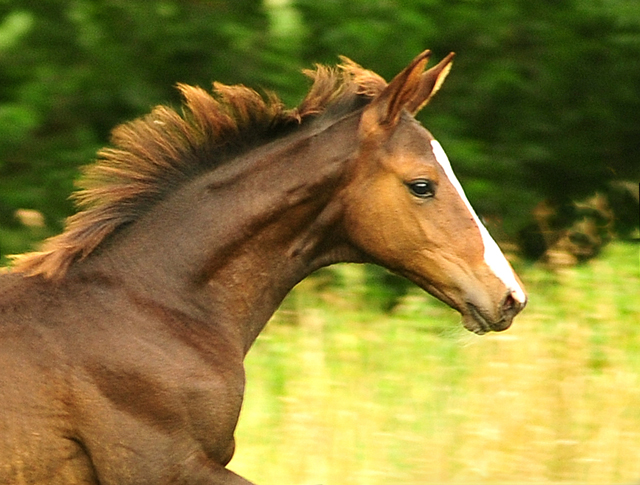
x,y
473,318
474,321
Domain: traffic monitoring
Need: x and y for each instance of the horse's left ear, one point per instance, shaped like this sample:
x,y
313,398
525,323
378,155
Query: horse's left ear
x,y
383,113
430,84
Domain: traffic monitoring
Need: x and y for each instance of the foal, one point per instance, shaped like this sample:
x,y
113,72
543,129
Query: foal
x,y
122,342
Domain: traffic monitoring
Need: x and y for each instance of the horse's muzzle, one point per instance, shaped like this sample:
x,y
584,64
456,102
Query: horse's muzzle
x,y
478,321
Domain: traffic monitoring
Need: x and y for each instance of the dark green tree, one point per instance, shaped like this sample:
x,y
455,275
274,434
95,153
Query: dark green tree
x,y
542,102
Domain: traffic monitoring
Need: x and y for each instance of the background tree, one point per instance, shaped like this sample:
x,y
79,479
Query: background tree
x,y
543,102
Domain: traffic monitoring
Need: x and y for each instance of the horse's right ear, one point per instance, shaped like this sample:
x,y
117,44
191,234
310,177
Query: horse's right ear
x,y
430,84
383,113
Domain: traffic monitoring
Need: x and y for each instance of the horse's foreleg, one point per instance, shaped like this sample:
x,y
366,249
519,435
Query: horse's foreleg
x,y
230,478
199,472
220,476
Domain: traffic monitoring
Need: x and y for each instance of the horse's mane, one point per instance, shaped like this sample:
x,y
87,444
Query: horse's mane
x,y
151,155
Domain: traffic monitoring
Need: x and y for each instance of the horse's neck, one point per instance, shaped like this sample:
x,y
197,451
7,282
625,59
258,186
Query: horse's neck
x,y
238,239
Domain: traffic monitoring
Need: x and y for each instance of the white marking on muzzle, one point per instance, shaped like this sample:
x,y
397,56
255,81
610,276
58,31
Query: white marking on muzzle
x,y
492,254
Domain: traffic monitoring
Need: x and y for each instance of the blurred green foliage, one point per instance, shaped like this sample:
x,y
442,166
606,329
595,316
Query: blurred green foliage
x,y
543,102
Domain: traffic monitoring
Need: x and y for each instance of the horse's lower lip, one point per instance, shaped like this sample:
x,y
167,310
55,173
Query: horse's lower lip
x,y
476,322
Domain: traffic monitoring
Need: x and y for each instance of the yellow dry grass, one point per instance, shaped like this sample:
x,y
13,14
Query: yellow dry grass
x,y
339,395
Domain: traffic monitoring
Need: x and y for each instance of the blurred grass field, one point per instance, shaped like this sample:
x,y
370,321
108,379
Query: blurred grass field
x,y
339,392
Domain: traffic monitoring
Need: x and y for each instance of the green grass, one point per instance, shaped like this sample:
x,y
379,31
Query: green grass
x,y
341,394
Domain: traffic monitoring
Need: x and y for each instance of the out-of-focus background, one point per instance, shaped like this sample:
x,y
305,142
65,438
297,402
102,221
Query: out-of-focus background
x,y
360,378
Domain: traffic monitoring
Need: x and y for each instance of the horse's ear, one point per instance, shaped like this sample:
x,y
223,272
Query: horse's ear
x,y
385,109
430,84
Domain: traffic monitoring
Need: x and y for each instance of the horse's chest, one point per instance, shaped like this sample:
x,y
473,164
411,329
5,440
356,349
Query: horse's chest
x,y
172,405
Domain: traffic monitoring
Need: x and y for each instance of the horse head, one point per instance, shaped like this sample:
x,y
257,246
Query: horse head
x,y
407,211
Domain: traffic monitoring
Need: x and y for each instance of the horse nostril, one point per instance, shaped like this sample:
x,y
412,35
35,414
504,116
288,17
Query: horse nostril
x,y
508,303
510,306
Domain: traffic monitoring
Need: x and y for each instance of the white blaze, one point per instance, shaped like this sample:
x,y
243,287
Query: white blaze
x,y
492,254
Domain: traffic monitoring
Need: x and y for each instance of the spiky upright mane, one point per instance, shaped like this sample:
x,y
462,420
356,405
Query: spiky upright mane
x,y
152,155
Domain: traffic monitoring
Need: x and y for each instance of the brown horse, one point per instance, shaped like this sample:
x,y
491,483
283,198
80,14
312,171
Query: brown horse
x,y
122,342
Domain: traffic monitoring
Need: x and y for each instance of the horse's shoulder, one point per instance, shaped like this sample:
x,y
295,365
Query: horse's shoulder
x,y
14,288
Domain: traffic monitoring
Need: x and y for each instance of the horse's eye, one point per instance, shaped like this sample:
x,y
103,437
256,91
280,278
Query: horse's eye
x,y
422,188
